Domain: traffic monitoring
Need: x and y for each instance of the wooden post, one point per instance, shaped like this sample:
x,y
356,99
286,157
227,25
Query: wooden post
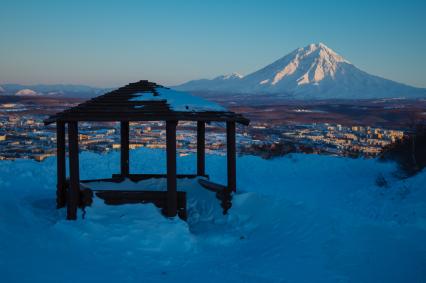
x,y
171,209
231,156
201,130
61,188
74,188
124,148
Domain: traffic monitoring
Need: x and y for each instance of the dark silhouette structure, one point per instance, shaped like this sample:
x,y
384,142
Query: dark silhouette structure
x,y
140,101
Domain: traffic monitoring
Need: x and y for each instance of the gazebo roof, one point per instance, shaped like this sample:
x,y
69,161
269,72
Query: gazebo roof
x,y
147,101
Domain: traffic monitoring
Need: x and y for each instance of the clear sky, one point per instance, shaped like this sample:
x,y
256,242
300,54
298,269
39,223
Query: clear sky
x,y
110,43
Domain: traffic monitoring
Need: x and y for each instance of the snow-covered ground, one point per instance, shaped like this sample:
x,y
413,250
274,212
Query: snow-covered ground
x,y
300,218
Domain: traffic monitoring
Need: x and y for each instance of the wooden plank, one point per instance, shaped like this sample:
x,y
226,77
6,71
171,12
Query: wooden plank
x,y
103,110
119,107
61,189
124,148
138,112
112,180
119,116
140,177
153,109
123,196
119,111
222,193
214,187
231,156
158,198
171,208
141,118
120,102
201,153
74,190
111,117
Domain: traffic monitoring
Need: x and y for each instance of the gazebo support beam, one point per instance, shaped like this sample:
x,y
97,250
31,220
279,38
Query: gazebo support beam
x,y
124,148
231,156
74,189
61,189
171,209
201,152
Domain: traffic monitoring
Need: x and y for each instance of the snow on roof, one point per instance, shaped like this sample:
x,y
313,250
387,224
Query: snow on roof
x,y
178,100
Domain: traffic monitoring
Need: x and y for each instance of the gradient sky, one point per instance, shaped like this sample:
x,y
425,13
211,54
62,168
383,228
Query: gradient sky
x,y
110,43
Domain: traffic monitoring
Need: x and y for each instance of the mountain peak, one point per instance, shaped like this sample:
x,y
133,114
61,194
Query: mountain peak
x,y
230,76
318,45
320,50
307,65
315,46
313,71
26,92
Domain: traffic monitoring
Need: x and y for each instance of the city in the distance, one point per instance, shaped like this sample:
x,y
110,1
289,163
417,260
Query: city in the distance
x,y
311,100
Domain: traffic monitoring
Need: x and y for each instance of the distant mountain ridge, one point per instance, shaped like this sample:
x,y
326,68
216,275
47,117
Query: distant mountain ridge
x,y
315,72
27,92
312,72
66,90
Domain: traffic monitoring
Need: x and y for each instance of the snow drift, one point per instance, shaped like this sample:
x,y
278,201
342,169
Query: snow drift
x,y
300,218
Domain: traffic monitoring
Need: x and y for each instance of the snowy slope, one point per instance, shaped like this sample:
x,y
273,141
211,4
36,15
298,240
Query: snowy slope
x,y
315,71
301,218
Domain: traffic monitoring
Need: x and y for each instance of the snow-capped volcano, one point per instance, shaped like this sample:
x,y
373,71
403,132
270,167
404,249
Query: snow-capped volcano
x,y
26,92
315,71
304,66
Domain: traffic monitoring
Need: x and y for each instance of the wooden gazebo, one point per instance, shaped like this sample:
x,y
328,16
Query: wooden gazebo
x,y
142,101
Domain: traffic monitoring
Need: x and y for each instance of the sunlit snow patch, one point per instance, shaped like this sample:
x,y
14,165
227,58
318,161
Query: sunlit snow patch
x,y
177,100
